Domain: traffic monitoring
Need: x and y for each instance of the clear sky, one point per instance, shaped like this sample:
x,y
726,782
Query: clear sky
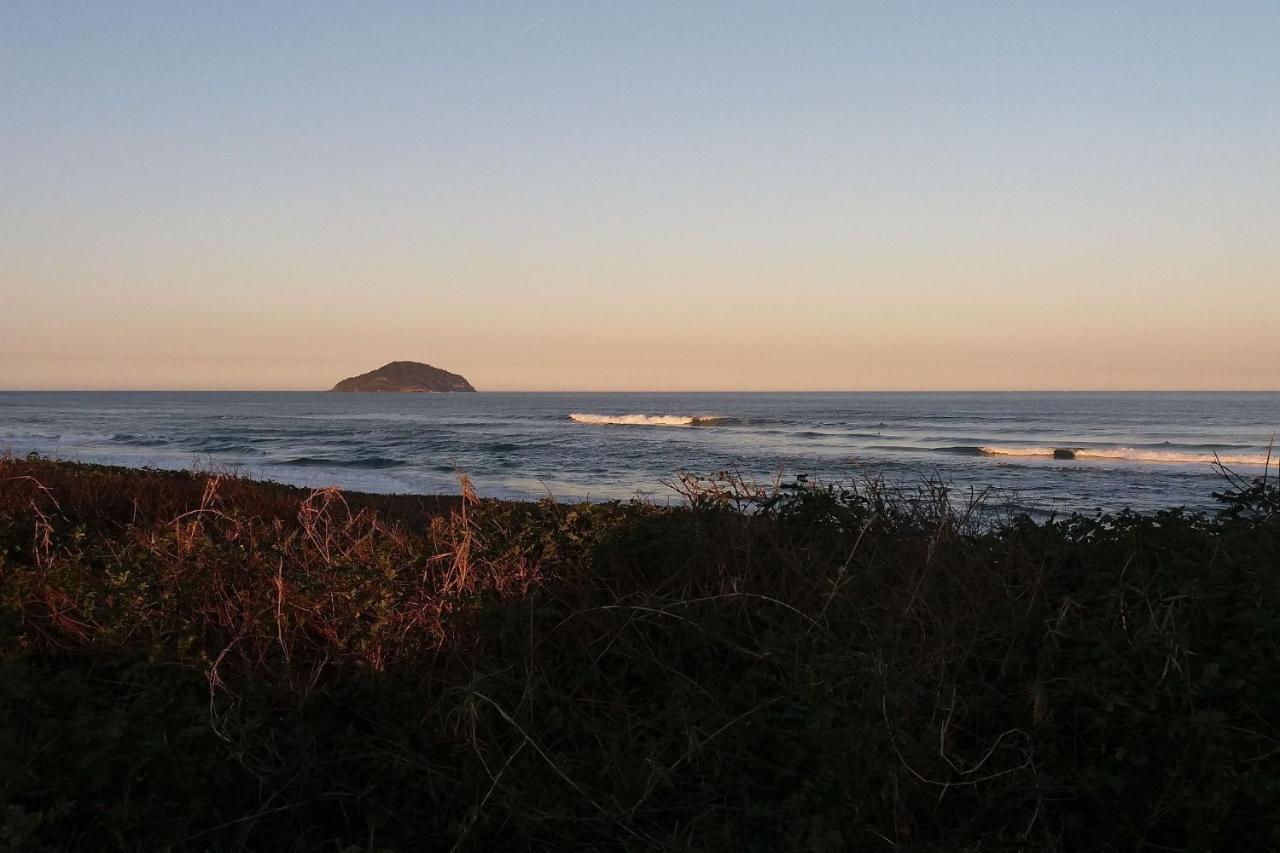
x,y
641,195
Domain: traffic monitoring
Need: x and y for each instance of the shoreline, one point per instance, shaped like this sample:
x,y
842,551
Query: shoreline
x,y
186,484
399,504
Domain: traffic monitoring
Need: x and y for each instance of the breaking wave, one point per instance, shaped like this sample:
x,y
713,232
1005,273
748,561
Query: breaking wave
x,y
1128,454
651,420
1057,452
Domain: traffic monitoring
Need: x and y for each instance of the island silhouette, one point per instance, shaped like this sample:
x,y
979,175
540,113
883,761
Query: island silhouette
x,y
406,377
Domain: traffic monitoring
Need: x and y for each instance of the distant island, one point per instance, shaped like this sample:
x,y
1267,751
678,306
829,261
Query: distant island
x,y
406,377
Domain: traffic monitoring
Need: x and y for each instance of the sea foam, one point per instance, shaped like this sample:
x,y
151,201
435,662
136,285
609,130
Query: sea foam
x,y
1128,454
646,420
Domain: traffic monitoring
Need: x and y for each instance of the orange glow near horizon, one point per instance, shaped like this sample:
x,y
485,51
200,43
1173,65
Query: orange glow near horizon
x,y
624,197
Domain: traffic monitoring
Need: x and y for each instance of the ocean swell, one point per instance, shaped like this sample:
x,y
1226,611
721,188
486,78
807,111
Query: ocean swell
x,y
373,462
139,440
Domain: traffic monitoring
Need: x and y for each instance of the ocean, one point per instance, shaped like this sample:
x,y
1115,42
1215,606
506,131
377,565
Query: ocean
x,y
1043,452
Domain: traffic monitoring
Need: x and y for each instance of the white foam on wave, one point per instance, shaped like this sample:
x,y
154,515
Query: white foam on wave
x,y
1017,451
1130,454
1173,456
642,420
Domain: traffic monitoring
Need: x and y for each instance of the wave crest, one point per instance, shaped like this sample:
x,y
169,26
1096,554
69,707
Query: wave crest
x,y
648,420
1128,454
1023,451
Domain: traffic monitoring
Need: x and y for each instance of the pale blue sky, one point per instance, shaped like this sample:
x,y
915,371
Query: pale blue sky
x,y
666,196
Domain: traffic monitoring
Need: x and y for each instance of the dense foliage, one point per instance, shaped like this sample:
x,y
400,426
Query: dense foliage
x,y
200,662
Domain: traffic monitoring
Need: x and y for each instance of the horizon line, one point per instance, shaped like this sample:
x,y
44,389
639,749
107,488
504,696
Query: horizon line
x,y
646,391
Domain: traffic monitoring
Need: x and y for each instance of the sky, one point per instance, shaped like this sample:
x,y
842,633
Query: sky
x,y
641,196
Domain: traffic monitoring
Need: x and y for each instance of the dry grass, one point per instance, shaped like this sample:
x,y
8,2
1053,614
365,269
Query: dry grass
x,y
206,662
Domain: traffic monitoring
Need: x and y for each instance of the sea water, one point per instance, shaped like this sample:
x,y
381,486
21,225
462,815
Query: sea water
x,y
1049,452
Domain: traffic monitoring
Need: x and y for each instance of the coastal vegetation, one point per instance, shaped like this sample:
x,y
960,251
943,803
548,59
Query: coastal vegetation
x,y
195,661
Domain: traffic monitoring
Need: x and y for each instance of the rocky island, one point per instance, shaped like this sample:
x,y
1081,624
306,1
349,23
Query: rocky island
x,y
406,376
